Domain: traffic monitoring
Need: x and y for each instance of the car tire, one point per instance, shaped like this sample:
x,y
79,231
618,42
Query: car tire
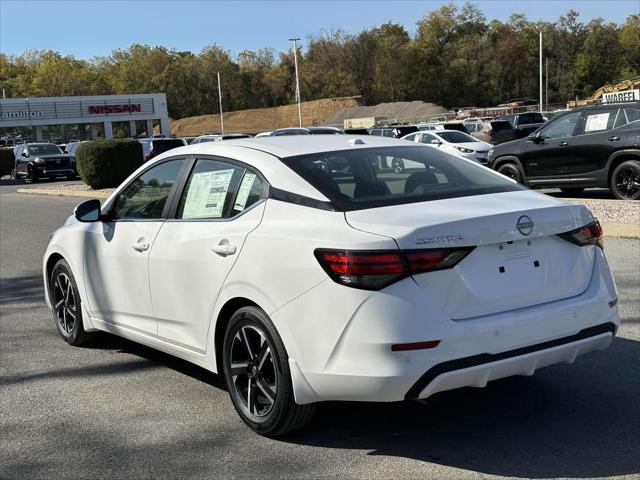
x,y
32,175
572,191
13,174
398,165
258,376
510,170
625,181
67,305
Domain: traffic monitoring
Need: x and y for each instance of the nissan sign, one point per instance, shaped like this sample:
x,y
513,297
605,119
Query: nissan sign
x,y
107,109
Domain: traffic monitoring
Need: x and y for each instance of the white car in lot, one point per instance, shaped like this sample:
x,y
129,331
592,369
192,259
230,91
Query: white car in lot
x,y
454,142
301,284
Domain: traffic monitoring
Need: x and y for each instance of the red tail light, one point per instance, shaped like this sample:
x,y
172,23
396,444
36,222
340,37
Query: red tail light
x,y
373,270
590,234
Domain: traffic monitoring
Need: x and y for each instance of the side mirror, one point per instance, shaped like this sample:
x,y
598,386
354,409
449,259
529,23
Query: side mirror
x,y
25,154
88,211
436,142
534,137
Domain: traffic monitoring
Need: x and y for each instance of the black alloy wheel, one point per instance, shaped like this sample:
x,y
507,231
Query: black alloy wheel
x,y
256,370
66,305
398,165
625,181
510,170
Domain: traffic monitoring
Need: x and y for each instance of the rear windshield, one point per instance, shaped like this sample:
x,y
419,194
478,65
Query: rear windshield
x,y
456,137
526,118
377,177
164,145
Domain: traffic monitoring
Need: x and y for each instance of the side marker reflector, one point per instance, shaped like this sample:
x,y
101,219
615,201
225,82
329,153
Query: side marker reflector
x,y
399,347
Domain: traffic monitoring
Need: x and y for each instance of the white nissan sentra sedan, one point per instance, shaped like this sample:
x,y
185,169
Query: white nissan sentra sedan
x,y
302,270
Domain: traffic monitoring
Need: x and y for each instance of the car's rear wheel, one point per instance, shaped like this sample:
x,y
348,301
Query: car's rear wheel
x,y
510,170
256,369
625,180
66,305
572,191
398,165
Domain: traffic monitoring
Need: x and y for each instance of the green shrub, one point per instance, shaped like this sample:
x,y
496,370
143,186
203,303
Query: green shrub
x,y
106,163
7,161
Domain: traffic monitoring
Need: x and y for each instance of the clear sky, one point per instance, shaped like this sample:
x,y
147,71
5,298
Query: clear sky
x,y
87,28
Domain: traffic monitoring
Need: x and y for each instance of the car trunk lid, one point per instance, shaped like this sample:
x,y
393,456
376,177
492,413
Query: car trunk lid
x,y
518,259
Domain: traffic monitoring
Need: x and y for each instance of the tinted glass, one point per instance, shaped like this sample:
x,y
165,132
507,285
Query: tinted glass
x,y
456,137
367,178
46,149
146,197
526,118
164,145
210,190
632,114
599,120
621,119
427,138
249,192
560,127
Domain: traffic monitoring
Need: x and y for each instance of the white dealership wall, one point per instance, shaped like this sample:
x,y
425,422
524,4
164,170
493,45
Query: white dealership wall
x,y
38,112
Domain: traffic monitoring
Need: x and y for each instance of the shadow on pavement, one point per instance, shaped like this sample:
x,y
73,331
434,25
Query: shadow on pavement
x,y
21,289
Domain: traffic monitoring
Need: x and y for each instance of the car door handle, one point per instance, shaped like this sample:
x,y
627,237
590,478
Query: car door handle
x,y
140,246
563,144
224,249
614,139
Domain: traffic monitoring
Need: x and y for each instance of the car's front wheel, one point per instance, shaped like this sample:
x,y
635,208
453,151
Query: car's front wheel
x,y
256,369
625,180
32,174
66,305
510,170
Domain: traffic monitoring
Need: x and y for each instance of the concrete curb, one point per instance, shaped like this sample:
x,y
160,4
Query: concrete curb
x,y
612,230
65,193
621,230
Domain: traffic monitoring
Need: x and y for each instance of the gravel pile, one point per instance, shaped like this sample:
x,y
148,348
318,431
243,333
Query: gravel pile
x,y
612,211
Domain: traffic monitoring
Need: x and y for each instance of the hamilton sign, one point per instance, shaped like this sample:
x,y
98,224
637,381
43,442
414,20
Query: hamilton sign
x,y
21,114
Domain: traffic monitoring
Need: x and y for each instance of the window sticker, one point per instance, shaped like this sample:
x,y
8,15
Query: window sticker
x,y
207,193
596,122
243,192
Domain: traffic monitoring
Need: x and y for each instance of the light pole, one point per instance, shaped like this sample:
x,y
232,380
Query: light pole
x,y
220,100
541,105
295,60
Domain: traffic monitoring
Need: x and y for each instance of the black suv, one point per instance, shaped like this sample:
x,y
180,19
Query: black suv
x,y
594,146
37,160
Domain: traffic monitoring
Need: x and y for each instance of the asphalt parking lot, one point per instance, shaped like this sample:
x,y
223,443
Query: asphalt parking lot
x,y
120,410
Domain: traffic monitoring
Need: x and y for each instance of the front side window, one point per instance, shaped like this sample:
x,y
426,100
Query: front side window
x,y
562,127
218,190
371,177
146,196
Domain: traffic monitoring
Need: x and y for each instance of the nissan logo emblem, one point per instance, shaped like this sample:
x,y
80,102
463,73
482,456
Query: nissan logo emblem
x,y
525,225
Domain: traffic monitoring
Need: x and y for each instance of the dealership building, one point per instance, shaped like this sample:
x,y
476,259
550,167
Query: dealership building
x,y
100,116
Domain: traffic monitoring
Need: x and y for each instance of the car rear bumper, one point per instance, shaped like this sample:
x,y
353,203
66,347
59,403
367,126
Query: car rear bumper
x,y
361,366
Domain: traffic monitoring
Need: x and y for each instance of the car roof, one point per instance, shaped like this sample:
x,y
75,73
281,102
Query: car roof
x,y
292,145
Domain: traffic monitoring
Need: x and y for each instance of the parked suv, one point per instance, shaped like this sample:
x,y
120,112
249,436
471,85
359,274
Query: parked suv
x,y
593,146
524,123
152,147
37,160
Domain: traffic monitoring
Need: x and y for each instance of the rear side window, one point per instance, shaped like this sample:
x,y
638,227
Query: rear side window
x,y
218,189
375,177
164,145
599,121
632,114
